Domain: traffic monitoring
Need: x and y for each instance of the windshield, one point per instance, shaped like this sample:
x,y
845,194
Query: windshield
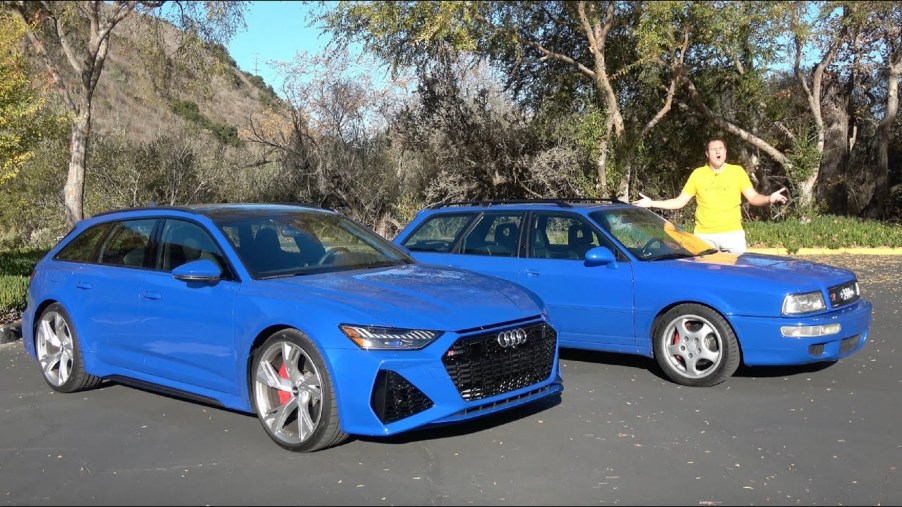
x,y
648,236
304,242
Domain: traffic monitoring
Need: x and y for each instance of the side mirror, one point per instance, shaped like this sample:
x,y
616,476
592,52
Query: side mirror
x,y
203,270
601,256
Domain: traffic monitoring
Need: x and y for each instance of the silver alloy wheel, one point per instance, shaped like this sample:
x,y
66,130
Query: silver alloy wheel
x,y
693,346
288,392
55,347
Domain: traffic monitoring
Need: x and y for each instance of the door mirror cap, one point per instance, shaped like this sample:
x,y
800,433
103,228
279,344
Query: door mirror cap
x,y
600,256
203,270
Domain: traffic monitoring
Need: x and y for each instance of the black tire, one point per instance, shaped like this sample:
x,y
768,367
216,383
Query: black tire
x,y
59,353
695,346
293,396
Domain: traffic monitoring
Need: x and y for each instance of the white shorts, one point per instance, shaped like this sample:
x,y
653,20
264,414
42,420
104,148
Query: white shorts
x,y
733,242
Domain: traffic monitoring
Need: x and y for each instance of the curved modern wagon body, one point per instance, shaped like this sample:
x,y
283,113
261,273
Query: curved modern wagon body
x,y
297,314
620,278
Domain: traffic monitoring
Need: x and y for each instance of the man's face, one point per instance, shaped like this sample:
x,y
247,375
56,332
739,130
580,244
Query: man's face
x,y
717,154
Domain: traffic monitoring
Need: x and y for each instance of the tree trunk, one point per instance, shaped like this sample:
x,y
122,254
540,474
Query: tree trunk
x,y
876,208
832,185
601,167
623,189
74,190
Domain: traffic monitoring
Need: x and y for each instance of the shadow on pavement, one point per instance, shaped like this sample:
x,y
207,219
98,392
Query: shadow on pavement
x,y
456,429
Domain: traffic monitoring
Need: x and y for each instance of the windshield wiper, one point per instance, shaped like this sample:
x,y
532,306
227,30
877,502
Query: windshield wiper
x,y
673,255
708,252
285,275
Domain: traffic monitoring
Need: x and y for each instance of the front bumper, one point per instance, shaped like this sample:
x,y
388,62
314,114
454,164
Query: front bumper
x,y
763,344
461,376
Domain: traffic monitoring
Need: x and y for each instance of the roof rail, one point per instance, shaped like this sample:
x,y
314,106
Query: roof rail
x,y
562,202
595,199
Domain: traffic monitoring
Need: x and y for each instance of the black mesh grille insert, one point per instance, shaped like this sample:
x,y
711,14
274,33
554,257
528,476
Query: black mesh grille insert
x,y
845,294
849,343
480,367
394,398
816,350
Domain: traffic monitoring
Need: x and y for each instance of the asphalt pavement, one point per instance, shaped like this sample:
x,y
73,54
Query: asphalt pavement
x,y
827,434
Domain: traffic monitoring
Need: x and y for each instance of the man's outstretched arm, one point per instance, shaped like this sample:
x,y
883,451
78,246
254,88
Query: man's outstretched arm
x,y
675,203
757,199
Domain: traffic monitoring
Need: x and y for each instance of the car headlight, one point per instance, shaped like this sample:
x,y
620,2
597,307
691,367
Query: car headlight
x,y
389,338
803,303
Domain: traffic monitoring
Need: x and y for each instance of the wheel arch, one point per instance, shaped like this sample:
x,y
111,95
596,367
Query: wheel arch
x,y
264,335
255,344
656,322
36,319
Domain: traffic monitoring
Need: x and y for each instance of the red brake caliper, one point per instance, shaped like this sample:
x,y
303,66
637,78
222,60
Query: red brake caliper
x,y
676,340
283,396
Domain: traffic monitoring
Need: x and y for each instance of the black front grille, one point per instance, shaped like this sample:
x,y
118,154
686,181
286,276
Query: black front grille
x,y
481,367
395,398
845,294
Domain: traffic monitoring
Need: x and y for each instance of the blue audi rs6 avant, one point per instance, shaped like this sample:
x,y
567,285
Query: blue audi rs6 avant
x,y
297,314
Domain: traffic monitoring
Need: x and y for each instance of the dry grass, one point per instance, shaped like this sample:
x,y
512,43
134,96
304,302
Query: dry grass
x,y
126,99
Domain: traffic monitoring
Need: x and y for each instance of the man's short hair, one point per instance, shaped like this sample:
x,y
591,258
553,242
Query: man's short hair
x,y
712,140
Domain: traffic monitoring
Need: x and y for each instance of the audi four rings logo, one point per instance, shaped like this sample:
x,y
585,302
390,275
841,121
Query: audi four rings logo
x,y
511,337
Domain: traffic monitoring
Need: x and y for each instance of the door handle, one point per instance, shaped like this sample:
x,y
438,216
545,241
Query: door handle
x,y
151,295
531,273
83,285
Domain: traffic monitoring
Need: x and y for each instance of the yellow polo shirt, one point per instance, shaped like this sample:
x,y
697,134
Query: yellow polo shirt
x,y
718,198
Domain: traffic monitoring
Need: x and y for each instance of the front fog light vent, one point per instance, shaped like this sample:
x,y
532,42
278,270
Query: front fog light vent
x,y
395,398
810,331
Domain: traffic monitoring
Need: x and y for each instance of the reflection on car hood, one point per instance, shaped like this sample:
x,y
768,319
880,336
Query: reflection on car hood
x,y
421,296
772,267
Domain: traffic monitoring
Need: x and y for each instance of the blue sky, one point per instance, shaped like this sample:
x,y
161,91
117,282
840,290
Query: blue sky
x,y
275,31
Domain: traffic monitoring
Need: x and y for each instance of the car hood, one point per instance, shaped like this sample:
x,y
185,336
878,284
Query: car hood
x,y
772,268
417,296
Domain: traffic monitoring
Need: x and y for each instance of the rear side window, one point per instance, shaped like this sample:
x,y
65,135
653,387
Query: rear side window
x,y
497,235
561,237
437,234
84,247
128,243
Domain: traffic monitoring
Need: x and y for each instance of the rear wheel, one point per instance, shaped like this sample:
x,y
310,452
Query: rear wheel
x,y
293,394
695,346
59,352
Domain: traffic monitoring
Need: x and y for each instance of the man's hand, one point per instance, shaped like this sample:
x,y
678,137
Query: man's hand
x,y
646,201
776,197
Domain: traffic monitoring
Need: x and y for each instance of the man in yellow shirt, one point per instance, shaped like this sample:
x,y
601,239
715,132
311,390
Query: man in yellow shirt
x,y
719,188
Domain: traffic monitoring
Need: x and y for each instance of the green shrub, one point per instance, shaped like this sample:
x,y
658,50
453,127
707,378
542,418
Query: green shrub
x,y
19,262
15,269
226,134
823,231
12,297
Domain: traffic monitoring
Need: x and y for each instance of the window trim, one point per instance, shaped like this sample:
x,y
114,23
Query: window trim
x,y
458,242
619,255
229,273
454,247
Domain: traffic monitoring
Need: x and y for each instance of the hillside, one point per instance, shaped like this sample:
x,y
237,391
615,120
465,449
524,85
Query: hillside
x,y
139,91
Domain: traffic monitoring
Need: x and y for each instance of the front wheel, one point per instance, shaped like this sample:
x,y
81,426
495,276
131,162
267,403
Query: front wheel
x,y
293,394
59,352
695,346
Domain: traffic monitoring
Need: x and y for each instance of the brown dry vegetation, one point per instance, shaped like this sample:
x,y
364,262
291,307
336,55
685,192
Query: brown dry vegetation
x,y
130,99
